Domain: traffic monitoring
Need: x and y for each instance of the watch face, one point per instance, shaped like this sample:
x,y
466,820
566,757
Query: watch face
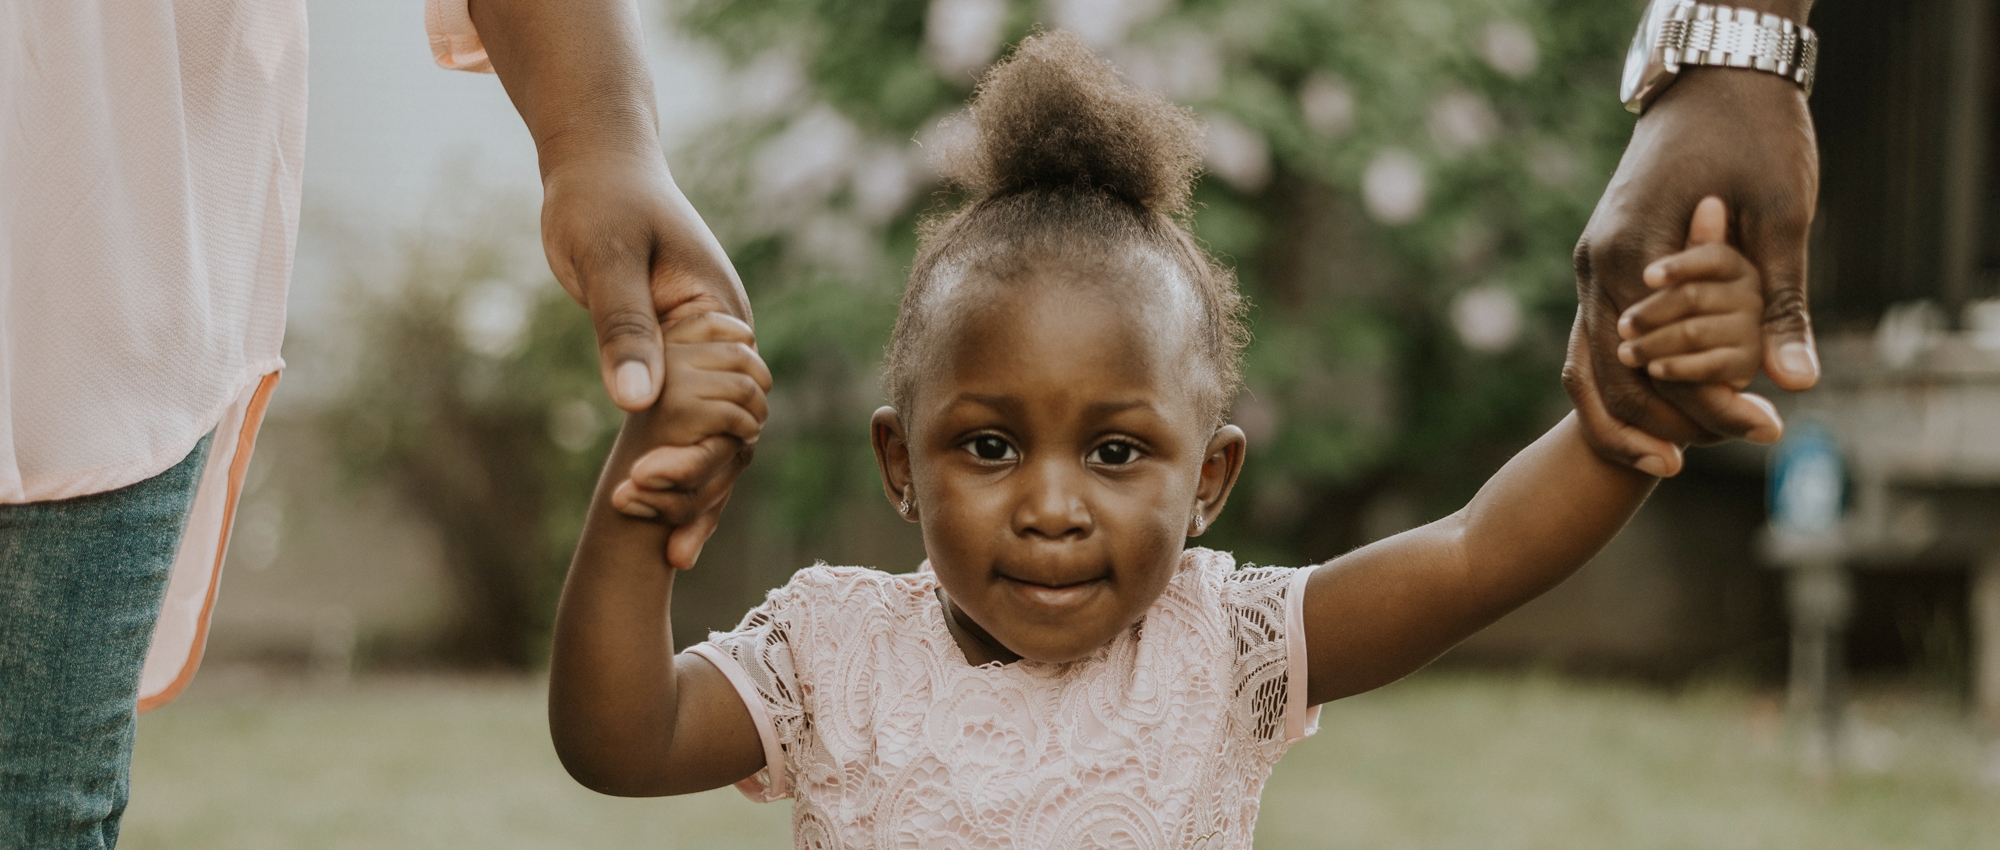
x,y
1640,69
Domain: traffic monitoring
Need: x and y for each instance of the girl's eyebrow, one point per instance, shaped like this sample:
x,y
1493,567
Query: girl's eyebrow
x,y
1011,405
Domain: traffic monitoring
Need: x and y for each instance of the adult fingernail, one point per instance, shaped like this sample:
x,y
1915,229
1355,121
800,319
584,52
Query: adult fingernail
x,y
1797,358
640,510
1652,465
634,382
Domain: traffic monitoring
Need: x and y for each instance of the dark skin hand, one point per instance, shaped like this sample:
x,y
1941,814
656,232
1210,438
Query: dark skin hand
x,y
1746,137
620,236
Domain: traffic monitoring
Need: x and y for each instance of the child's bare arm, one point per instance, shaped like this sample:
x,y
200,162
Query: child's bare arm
x,y
1383,611
627,715
1379,613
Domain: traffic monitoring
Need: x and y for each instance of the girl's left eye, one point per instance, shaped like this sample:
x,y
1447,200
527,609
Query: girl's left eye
x,y
1114,454
989,447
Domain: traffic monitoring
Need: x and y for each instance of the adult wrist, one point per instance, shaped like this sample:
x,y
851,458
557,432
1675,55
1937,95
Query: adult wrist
x,y
1731,92
631,154
621,137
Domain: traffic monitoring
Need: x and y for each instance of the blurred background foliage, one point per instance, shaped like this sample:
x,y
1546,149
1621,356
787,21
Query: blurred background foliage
x,y
1398,184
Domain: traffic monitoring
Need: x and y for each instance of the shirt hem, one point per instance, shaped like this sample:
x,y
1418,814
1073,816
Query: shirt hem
x,y
1301,720
104,479
771,786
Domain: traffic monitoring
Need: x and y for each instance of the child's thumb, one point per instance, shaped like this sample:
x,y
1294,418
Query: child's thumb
x,y
1711,223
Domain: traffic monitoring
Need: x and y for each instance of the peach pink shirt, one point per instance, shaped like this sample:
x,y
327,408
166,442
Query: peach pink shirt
x,y
884,736
149,195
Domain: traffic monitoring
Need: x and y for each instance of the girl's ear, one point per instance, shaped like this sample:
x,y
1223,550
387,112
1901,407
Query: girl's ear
x,y
1219,467
892,454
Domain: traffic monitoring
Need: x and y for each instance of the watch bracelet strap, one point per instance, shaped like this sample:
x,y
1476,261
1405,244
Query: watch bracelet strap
x,y
1731,37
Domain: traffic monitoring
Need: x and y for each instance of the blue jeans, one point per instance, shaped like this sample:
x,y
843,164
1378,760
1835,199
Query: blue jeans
x,y
81,582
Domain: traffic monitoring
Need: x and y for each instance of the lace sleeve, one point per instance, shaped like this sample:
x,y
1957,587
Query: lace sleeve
x,y
757,659
1264,605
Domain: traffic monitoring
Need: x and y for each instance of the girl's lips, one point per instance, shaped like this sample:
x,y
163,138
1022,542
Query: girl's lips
x,y
1065,598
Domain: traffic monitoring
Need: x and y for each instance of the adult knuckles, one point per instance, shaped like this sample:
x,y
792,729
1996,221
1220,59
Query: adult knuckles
x,y
1786,311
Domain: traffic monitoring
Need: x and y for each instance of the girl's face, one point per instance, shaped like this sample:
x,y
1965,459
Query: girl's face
x,y
1059,459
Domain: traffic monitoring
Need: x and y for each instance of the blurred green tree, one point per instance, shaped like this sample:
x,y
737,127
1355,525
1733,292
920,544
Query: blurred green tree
x,y
475,396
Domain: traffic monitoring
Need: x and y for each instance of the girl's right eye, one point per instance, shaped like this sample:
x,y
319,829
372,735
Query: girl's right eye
x,y
989,447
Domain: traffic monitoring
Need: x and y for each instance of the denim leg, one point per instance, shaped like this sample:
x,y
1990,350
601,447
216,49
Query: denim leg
x,y
81,583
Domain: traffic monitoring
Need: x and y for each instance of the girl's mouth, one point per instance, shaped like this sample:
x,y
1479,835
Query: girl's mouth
x,y
1054,598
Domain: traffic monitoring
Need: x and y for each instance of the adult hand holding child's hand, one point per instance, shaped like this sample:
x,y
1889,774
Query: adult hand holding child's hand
x,y
704,425
1701,330
1748,138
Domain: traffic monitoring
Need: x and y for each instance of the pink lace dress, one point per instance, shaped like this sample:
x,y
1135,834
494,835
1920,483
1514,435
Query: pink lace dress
x,y
873,721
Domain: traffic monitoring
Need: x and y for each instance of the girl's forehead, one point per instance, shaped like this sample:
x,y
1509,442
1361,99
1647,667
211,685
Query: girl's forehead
x,y
1053,335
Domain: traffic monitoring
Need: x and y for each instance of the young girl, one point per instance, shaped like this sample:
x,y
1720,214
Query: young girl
x,y
1062,671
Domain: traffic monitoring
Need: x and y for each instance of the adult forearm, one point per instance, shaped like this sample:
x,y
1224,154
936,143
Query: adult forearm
x,y
613,693
576,70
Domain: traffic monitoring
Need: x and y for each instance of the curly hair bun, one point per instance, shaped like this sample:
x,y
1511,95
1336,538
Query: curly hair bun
x,y
1054,115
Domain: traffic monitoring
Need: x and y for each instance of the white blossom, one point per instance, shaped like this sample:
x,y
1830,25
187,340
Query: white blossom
x,y
805,161
1487,318
962,36
1238,154
1510,48
493,318
883,180
1394,187
1462,122
1328,105
1184,66
574,425
1103,23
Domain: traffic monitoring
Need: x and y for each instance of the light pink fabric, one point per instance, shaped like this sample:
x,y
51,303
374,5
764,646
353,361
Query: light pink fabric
x,y
150,156
454,40
885,737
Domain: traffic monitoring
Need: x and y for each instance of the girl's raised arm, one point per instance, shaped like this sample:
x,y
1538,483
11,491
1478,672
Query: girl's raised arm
x,y
1378,613
627,715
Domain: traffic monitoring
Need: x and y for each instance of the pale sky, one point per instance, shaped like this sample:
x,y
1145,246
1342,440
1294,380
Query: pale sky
x,y
384,123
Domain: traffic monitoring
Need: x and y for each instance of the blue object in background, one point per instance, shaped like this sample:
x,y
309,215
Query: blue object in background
x,y
1808,481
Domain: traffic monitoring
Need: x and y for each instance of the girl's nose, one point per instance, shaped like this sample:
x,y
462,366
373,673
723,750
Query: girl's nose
x,y
1051,504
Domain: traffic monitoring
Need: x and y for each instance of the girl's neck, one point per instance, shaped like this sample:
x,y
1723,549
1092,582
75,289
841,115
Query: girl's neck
x,y
979,647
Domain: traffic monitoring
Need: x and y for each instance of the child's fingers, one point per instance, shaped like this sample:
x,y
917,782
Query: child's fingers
x,y
685,468
684,544
1710,224
672,508
1730,366
732,357
1710,262
1690,335
1689,299
688,479
707,404
709,327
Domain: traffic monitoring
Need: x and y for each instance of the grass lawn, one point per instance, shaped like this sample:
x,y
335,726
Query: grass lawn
x,y
1444,760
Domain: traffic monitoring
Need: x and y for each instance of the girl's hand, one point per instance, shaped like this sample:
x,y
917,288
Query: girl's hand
x,y
1704,324
710,413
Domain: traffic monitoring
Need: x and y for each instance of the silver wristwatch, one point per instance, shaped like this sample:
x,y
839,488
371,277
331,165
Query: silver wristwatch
x,y
1682,32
